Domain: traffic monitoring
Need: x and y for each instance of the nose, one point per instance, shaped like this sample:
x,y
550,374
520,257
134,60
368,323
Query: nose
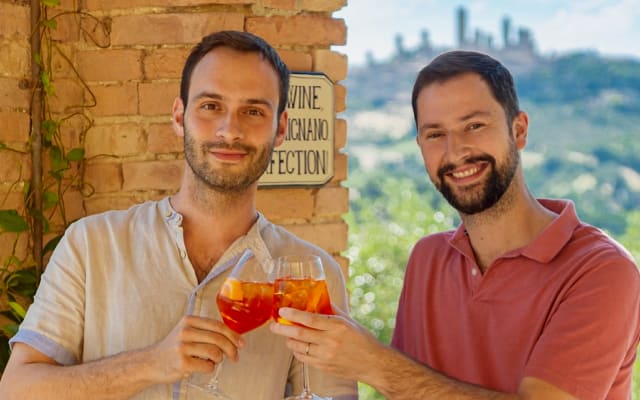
x,y
229,127
458,148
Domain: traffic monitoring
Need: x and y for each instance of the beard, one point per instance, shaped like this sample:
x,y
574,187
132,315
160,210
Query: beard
x,y
223,179
477,199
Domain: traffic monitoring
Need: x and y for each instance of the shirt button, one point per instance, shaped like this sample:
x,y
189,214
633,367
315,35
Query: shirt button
x,y
183,254
474,272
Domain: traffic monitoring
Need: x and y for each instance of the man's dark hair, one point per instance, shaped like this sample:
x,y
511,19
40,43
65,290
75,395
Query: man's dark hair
x,y
451,64
239,41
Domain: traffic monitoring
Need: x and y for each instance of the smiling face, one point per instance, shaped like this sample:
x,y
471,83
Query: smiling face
x,y
231,123
468,146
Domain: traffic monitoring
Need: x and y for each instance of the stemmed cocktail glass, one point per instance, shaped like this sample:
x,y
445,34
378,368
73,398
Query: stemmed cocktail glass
x,y
299,282
245,302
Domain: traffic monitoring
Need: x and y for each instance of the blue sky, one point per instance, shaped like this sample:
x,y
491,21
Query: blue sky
x,y
611,27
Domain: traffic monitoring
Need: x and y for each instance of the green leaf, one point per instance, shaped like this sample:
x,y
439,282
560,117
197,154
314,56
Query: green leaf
x,y
18,309
23,282
75,154
58,162
10,221
46,83
50,23
37,58
2,146
10,330
51,245
49,199
51,3
49,128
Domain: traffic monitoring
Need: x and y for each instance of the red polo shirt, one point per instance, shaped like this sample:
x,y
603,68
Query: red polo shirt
x,y
564,309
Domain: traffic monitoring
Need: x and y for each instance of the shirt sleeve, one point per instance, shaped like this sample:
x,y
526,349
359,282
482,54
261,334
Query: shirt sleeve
x,y
54,322
588,346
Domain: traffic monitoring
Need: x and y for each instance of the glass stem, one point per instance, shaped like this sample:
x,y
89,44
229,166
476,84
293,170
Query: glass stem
x,y
305,381
213,383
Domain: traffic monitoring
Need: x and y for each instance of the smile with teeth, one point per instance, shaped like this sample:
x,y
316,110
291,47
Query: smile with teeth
x,y
466,173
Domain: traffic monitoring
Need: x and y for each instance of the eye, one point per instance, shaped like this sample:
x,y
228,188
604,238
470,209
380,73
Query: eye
x,y
432,135
209,106
256,112
475,126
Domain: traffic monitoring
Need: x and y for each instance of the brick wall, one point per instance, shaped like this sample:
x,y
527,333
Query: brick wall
x,y
132,71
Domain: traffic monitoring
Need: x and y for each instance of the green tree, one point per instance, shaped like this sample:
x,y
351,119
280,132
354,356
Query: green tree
x,y
383,229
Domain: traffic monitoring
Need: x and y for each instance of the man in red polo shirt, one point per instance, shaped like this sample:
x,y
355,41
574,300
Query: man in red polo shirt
x,y
523,300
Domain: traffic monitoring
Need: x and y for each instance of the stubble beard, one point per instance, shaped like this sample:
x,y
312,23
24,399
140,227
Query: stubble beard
x,y
228,182
483,196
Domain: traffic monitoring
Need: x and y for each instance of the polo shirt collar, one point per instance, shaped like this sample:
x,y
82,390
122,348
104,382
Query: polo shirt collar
x,y
546,246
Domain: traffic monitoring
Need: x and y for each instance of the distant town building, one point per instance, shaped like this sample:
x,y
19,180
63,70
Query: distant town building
x,y
517,51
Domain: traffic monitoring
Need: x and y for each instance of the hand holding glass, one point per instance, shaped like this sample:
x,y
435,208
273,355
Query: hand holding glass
x,y
245,303
299,282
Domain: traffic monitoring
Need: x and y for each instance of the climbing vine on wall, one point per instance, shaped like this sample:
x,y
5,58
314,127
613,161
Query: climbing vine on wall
x,y
34,229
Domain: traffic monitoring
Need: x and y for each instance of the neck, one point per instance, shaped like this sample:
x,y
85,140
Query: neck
x,y
212,221
513,222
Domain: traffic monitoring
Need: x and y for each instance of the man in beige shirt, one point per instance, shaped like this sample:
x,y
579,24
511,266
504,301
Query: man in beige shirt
x,y
126,307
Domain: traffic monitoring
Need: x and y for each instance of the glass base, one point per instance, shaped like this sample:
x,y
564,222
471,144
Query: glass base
x,y
206,392
307,396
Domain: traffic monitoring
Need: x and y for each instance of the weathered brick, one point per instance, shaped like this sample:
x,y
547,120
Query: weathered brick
x,y
285,203
12,96
72,131
164,63
152,29
114,4
114,140
306,30
97,204
157,98
60,59
12,201
330,236
152,175
296,60
14,21
110,65
331,202
340,93
162,139
114,100
15,58
340,164
69,95
324,5
104,177
280,4
14,126
14,166
7,243
333,64
68,28
73,204
340,139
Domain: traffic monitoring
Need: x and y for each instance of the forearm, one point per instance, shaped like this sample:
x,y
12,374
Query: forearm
x,y
117,377
398,377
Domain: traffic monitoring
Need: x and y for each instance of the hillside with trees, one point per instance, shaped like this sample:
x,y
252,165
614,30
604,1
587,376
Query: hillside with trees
x,y
583,145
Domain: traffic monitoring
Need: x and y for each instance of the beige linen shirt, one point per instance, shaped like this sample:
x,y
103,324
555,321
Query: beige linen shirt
x,y
121,280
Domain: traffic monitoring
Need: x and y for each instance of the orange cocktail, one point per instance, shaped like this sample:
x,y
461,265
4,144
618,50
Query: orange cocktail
x,y
302,293
245,305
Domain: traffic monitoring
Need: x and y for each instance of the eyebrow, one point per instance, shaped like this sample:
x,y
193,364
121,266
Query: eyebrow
x,y
466,117
216,96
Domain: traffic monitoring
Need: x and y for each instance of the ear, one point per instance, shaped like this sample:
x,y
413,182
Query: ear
x,y
282,128
520,127
177,119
